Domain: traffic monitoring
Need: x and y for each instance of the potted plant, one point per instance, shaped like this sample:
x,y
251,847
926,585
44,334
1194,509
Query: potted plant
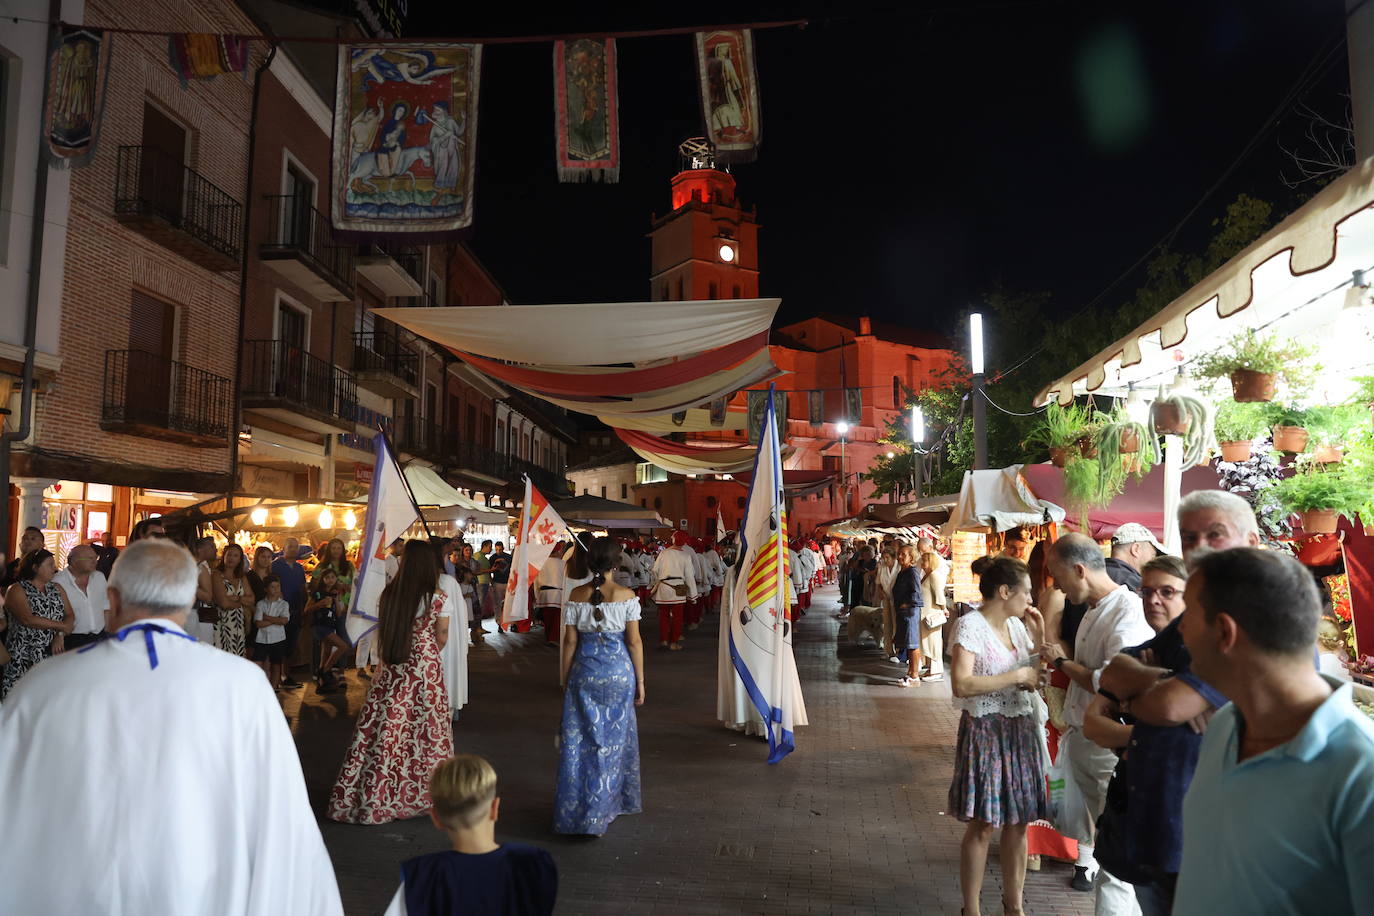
x,y
1330,428
1082,487
1256,363
1125,446
1061,431
1290,429
1320,497
1186,416
1237,424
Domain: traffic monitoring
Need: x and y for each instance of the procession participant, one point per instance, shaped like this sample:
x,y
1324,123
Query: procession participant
x,y
603,667
405,728
715,575
696,607
675,581
796,574
575,573
41,616
646,572
548,593
166,713
84,587
455,651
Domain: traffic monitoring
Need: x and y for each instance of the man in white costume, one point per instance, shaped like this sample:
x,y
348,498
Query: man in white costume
x,y
703,598
673,571
455,652
160,764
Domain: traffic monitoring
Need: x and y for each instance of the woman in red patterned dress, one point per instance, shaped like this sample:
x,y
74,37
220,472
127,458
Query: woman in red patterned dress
x,y
405,728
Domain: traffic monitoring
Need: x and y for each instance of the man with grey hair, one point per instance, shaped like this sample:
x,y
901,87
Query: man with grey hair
x,y
1217,520
1278,815
84,586
160,764
1115,620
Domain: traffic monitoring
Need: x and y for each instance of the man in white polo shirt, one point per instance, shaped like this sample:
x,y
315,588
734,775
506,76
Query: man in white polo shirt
x,y
1115,620
85,588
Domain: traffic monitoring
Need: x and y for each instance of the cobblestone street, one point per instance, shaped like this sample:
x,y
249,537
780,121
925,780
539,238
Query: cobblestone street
x,y
852,822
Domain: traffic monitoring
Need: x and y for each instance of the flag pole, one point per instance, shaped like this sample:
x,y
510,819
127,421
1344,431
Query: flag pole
x,y
401,472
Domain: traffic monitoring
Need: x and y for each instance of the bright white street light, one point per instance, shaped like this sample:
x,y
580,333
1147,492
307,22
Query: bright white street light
x,y
975,336
892,454
842,427
918,424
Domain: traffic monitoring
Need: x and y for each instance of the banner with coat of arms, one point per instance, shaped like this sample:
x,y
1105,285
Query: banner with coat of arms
x,y
729,86
405,130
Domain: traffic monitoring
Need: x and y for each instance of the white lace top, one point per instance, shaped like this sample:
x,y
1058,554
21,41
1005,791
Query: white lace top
x,y
614,615
974,633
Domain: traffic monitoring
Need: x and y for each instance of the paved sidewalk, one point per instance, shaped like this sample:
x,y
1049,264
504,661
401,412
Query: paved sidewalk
x,y
852,822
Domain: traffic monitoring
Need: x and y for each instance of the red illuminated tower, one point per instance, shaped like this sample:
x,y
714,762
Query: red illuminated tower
x,y
707,247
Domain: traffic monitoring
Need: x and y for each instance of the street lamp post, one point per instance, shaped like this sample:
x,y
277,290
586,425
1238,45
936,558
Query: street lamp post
x,y
918,462
980,411
842,428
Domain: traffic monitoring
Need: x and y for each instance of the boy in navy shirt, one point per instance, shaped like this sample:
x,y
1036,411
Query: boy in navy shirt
x,y
477,876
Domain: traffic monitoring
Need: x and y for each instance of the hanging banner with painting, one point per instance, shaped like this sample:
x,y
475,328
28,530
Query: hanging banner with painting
x,y
77,70
405,132
586,118
730,94
200,56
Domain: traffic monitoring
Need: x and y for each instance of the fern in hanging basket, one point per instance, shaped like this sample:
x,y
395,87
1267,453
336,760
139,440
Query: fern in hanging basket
x,y
1061,428
1125,448
1082,488
1186,416
1254,363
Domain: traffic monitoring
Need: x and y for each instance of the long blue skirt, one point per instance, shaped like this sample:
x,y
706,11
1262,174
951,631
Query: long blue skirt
x,y
598,764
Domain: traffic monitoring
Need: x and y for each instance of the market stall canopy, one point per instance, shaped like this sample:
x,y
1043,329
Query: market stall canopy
x,y
1142,501
998,500
440,502
599,512
796,482
1294,281
904,519
589,334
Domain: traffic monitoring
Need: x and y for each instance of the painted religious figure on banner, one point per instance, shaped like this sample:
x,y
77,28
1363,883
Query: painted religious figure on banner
x,y
405,162
729,92
75,73
585,101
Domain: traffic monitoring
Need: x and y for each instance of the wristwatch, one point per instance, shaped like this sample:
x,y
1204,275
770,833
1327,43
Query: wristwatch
x,y
1059,662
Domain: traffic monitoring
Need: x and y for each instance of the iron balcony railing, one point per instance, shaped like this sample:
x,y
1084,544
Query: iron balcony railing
x,y
151,391
274,369
420,437
410,258
482,459
296,226
150,182
382,351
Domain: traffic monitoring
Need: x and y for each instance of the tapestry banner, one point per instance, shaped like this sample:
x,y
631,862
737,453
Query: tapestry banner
x,y
815,407
78,67
586,116
202,56
729,86
405,131
854,405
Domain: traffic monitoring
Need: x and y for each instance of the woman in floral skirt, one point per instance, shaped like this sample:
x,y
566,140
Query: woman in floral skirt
x,y
404,729
999,770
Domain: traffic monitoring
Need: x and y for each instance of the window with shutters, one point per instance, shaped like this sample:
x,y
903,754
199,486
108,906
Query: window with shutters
x,y
152,325
293,326
148,371
162,165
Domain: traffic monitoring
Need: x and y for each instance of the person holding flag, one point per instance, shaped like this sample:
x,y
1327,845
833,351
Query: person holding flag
x,y
540,529
760,615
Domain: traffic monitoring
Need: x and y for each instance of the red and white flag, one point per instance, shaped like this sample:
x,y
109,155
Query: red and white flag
x,y
540,529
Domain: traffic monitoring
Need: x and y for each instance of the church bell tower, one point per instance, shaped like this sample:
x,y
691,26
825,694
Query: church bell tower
x,y
707,247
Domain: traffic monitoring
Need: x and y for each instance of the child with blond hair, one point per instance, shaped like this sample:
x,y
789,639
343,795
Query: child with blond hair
x,y
476,875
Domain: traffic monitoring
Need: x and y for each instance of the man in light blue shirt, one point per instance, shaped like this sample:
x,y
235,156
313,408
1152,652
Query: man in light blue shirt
x,y
1280,814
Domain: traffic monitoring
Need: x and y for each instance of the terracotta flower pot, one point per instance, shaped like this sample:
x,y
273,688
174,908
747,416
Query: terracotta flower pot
x,y
1319,521
1328,454
1170,420
1130,442
1059,456
1132,463
1236,452
1290,438
1087,447
1250,387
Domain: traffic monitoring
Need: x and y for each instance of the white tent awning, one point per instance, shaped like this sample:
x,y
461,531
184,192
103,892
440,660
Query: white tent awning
x,y
998,500
430,489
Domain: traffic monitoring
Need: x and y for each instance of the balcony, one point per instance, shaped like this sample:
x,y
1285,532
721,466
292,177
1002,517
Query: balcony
x,y
300,247
159,197
159,398
421,438
384,365
481,460
551,484
289,384
393,269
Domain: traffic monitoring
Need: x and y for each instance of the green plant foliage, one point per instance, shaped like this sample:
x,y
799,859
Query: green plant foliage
x,y
1082,487
1197,441
1290,415
1111,467
1063,427
1270,354
1333,489
1241,422
1365,393
1333,425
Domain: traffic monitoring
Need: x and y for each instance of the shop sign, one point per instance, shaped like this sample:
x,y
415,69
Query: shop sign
x,y
60,517
362,473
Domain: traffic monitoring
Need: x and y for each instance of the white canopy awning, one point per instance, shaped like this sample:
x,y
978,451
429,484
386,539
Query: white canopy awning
x,y
1292,281
998,500
431,490
589,334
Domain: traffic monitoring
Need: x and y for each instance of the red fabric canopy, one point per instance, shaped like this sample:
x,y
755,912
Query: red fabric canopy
x,y
620,381
652,443
1142,501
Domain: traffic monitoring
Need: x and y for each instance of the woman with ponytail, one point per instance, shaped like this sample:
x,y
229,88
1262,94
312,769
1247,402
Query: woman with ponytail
x,y
603,668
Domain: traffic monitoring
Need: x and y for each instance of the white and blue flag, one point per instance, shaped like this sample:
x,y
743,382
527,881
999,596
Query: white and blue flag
x,y
390,513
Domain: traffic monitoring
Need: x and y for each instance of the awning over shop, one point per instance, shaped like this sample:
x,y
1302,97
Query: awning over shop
x,y
1142,501
598,512
999,500
439,501
1294,280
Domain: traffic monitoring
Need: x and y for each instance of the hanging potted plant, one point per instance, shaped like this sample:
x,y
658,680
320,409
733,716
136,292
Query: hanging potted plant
x,y
1237,424
1320,498
1082,487
1125,446
1061,431
1290,429
1330,428
1184,415
1255,364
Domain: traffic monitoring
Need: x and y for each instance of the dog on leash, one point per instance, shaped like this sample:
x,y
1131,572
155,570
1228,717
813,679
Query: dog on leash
x,y
866,620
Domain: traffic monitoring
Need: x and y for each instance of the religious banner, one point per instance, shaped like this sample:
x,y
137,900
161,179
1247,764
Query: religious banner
x,y
203,56
854,404
758,403
717,408
729,86
815,407
77,70
586,115
405,126
540,529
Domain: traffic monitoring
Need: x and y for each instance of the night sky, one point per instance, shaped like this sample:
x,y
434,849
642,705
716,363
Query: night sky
x,y
914,155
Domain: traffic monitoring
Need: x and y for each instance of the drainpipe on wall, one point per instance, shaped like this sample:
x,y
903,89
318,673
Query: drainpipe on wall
x,y
37,224
243,279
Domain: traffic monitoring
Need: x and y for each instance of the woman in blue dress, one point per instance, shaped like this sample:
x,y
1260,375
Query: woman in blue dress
x,y
603,668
